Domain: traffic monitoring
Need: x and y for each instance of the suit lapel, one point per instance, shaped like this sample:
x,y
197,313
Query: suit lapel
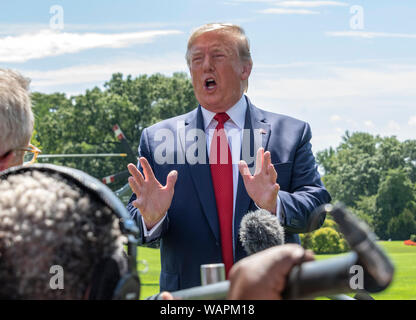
x,y
201,172
259,131
259,134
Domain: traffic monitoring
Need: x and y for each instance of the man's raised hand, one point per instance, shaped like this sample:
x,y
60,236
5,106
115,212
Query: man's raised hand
x,y
261,187
153,199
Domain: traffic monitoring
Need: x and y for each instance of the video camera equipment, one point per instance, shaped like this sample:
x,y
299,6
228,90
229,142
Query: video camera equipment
x,y
127,286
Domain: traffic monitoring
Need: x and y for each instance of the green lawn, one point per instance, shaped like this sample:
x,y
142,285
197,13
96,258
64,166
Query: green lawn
x,y
149,279
402,288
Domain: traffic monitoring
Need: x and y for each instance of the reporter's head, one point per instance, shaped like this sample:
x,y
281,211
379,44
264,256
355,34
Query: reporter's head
x,y
45,221
16,118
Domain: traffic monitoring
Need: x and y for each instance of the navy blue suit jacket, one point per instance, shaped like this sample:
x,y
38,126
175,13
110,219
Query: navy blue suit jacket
x,y
190,233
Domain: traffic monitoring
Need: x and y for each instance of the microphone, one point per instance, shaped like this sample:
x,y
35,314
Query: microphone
x,y
325,277
260,230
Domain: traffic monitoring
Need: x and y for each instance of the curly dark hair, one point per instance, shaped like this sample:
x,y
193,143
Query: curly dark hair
x,y
46,220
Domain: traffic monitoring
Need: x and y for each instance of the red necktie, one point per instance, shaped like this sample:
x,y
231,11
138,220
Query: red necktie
x,y
222,177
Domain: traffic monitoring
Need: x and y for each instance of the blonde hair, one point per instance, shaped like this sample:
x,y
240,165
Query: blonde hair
x,y
16,116
242,42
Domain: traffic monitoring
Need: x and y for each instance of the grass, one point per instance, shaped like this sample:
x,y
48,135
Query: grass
x,y
402,288
148,258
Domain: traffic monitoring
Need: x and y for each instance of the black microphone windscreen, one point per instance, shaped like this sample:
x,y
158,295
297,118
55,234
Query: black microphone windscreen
x,y
260,230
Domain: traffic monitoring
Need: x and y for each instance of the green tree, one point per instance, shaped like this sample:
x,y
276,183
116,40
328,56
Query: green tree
x,y
327,240
395,194
402,226
47,109
366,210
352,170
83,123
373,176
409,155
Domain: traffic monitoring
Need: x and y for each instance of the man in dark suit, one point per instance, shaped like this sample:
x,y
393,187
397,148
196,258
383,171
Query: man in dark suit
x,y
197,174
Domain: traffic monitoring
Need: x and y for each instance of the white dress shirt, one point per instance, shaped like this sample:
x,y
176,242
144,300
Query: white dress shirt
x,y
234,130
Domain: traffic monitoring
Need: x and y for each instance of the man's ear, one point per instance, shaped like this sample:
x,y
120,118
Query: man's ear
x,y
246,70
6,160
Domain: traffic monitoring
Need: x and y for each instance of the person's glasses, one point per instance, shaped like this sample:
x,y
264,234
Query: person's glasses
x,y
31,153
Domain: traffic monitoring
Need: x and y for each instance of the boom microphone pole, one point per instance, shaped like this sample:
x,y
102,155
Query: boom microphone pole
x,y
330,276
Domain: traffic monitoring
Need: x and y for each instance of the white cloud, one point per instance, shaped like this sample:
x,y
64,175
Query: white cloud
x,y
369,124
321,141
294,4
335,118
287,11
86,76
11,29
370,35
334,98
340,83
393,125
295,7
310,4
46,43
412,121
320,64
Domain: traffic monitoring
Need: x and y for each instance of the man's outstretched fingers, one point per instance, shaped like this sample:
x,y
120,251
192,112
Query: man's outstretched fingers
x,y
244,170
276,187
147,170
259,160
138,177
171,179
272,172
134,186
267,161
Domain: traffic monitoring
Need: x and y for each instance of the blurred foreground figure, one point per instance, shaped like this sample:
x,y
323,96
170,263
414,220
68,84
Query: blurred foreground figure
x,y
16,120
49,223
262,276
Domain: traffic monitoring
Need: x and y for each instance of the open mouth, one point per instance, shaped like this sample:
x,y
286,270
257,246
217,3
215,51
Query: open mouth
x,y
210,84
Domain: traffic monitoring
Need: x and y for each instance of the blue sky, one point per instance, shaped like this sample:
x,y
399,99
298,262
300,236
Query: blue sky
x,y
339,65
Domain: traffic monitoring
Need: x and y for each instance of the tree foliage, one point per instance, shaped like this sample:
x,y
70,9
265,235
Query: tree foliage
x,y
83,123
402,226
326,240
376,178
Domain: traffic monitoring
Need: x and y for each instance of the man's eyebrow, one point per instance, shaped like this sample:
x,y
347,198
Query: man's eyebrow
x,y
218,49
195,52
212,49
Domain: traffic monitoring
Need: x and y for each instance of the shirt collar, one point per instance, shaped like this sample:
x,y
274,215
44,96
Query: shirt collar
x,y
237,113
